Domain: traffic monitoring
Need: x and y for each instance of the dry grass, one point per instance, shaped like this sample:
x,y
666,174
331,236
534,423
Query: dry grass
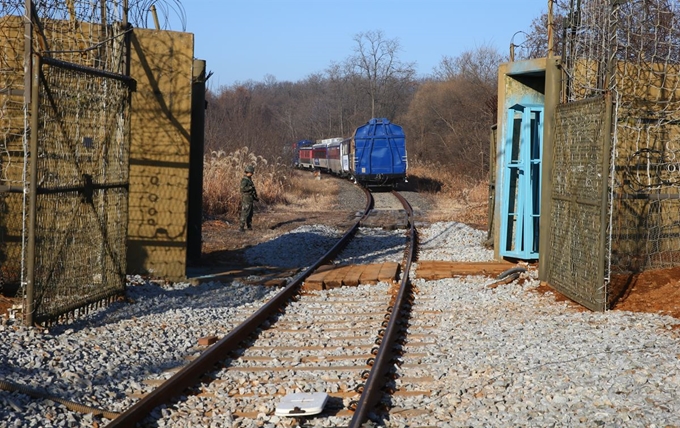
x,y
457,197
277,184
301,193
222,175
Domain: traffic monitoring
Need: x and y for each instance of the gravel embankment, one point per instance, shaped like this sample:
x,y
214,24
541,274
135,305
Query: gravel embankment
x,y
504,356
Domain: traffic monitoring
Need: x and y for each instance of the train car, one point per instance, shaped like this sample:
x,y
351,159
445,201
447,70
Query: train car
x,y
302,154
319,157
374,156
337,153
305,158
378,154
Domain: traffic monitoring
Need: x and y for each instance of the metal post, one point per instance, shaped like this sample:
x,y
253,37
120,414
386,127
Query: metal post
x,y
126,39
550,28
604,208
553,88
607,136
568,49
155,16
32,193
28,51
126,9
195,197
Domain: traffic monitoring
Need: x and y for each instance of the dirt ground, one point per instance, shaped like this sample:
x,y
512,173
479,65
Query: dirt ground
x,y
223,246
655,291
651,291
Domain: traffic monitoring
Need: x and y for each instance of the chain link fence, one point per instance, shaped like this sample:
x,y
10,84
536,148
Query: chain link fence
x,y
577,199
64,150
631,50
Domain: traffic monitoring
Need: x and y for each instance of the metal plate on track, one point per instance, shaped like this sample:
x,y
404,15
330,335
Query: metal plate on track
x,y
302,404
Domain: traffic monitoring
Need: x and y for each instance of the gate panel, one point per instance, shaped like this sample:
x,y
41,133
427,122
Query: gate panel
x,y
520,196
576,226
82,188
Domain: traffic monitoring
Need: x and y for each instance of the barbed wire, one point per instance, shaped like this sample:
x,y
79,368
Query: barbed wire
x,y
140,12
631,49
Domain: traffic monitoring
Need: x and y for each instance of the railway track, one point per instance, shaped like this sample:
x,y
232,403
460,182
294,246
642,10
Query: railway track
x,y
339,342
414,379
470,350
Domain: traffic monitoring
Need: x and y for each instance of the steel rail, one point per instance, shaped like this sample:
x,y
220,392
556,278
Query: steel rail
x,y
377,377
190,374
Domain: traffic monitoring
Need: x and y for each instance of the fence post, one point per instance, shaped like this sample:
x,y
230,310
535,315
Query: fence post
x,y
553,94
32,193
195,197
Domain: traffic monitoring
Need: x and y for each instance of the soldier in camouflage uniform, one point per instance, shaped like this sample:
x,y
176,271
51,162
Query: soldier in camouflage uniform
x,y
248,196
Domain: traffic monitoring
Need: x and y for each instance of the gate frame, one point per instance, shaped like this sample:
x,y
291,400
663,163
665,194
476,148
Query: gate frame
x,y
525,190
595,296
32,189
33,62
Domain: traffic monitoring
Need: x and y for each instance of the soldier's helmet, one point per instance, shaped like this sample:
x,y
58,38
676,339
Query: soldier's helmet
x,y
250,168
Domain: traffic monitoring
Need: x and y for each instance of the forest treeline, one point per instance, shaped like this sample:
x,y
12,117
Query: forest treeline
x,y
447,116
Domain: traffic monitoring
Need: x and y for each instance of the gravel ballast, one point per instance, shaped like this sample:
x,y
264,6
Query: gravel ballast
x,y
501,356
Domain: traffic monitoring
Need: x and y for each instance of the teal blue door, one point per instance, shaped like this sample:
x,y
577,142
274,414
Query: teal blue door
x,y
520,206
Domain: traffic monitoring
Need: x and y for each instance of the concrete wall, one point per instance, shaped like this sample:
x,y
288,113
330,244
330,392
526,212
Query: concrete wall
x,y
161,63
11,146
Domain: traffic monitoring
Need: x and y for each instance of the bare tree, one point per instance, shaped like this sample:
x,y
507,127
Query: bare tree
x,y
534,43
450,115
479,65
376,62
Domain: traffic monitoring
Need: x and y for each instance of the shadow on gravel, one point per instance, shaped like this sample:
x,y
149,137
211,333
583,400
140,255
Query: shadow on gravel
x,y
227,280
149,331
285,223
147,299
301,249
419,184
296,249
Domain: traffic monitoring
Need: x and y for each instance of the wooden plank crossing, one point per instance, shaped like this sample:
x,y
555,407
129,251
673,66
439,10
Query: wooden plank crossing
x,y
332,276
432,270
352,278
327,277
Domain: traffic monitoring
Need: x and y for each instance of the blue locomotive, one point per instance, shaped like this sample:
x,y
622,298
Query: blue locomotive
x,y
375,155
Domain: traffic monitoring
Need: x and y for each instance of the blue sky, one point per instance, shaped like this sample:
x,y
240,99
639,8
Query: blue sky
x,y
290,39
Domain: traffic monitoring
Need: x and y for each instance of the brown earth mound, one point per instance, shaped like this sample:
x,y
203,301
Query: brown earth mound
x,y
653,291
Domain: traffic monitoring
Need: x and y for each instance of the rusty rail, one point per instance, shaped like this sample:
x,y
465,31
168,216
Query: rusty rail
x,y
191,373
377,377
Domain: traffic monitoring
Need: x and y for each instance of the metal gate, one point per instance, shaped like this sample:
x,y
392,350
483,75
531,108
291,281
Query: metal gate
x,y
78,187
520,196
579,201
64,148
